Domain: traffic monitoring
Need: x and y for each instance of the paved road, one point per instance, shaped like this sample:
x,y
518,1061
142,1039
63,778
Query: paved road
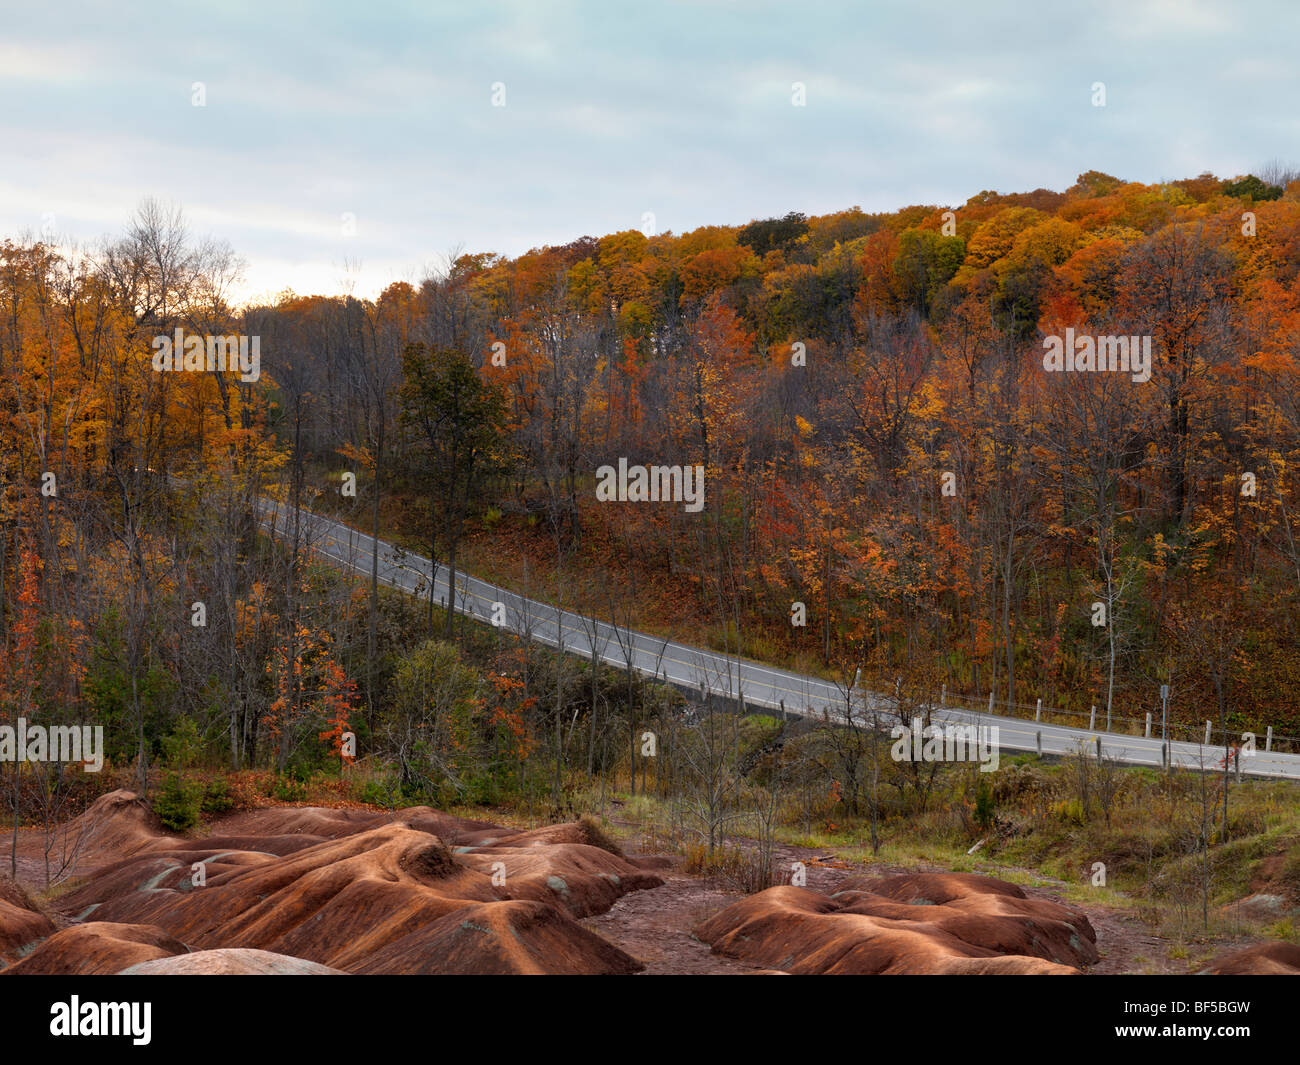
x,y
689,667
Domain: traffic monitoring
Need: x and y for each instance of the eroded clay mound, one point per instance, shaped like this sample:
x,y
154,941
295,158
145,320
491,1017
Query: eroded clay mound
x,y
934,889
917,924
96,949
1263,959
116,824
22,924
233,961
527,938
283,829
375,893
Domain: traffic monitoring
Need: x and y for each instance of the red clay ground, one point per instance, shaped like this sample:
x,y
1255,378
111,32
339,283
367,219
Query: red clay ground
x,y
311,889
356,890
659,926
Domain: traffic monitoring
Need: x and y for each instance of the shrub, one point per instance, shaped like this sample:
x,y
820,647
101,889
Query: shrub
x,y
183,746
380,791
298,771
286,788
177,806
984,804
743,868
1069,811
217,798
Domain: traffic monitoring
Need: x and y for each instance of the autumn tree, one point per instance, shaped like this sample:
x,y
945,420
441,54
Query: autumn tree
x,y
458,424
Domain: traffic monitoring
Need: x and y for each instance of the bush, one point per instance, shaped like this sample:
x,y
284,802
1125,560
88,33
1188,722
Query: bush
x,y
1070,811
742,868
177,806
380,791
298,771
287,789
984,804
217,798
183,746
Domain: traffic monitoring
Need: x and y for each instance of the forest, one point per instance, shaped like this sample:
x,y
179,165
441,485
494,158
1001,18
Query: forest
x,y
865,393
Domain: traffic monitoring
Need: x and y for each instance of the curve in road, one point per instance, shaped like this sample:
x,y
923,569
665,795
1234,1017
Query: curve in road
x,y
690,667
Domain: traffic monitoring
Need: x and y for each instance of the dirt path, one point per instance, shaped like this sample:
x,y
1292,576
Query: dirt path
x,y
655,926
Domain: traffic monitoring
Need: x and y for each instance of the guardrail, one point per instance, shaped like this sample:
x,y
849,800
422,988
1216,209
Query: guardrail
x,y
725,675
1207,733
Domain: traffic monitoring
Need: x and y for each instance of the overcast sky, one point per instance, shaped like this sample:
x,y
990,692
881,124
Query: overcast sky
x,y
384,111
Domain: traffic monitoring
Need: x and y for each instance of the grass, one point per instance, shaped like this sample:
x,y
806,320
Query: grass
x,y
1153,862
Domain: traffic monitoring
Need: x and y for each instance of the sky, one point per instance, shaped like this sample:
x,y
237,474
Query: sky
x,y
349,145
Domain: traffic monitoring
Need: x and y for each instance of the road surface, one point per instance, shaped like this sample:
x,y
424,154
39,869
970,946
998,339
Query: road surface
x,y
688,667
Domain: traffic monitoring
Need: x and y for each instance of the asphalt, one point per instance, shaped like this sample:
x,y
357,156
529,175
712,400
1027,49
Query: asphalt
x,y
734,678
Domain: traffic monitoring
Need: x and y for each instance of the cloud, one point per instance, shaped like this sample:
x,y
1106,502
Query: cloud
x,y
683,109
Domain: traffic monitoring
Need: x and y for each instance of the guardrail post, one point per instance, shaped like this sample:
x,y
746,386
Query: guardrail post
x,y
1099,748
1148,735
990,702
943,696
1207,734
1268,739
1164,755
1092,718
1038,710
1039,734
